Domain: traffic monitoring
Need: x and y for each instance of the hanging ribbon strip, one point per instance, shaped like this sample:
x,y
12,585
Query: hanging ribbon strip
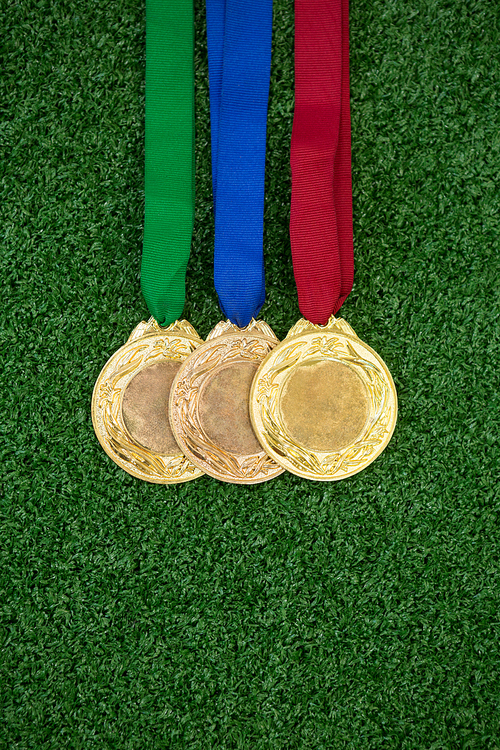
x,y
169,168
321,209
239,59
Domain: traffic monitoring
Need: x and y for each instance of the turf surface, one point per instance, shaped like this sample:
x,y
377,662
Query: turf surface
x,y
290,615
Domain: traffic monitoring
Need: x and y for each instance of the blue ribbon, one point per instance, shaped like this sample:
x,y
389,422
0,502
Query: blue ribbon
x,y
239,61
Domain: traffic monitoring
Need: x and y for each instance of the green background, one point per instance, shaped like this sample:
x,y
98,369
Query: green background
x,y
293,614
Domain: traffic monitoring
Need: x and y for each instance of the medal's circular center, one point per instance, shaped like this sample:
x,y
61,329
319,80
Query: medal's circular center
x,y
324,405
223,409
145,408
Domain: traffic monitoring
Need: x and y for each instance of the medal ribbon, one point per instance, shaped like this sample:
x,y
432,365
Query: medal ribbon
x,y
239,59
321,208
169,165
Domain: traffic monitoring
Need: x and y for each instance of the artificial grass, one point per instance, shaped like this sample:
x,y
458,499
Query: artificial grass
x,y
360,614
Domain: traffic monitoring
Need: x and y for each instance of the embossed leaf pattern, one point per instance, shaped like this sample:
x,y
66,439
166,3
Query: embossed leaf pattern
x,y
175,349
325,346
129,363
289,354
282,361
107,393
284,445
152,465
351,349
266,387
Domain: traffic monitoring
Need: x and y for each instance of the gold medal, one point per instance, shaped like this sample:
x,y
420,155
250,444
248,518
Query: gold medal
x,y
131,399
209,404
323,403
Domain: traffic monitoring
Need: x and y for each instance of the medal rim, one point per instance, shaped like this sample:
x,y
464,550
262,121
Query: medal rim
x,y
211,340
336,328
135,339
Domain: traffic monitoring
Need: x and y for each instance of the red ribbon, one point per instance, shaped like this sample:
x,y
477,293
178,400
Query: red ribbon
x,y
321,210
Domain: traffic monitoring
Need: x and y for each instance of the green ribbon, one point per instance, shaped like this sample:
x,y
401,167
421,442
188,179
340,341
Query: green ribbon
x,y
169,168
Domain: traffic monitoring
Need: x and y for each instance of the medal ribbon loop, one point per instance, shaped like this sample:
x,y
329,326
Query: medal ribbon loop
x,y
169,164
320,158
239,57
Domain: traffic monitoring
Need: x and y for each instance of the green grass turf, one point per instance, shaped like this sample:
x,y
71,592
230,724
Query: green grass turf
x,y
290,615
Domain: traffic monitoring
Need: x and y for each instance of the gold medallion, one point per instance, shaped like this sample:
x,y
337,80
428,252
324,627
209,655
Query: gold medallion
x,y
131,400
323,403
209,404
